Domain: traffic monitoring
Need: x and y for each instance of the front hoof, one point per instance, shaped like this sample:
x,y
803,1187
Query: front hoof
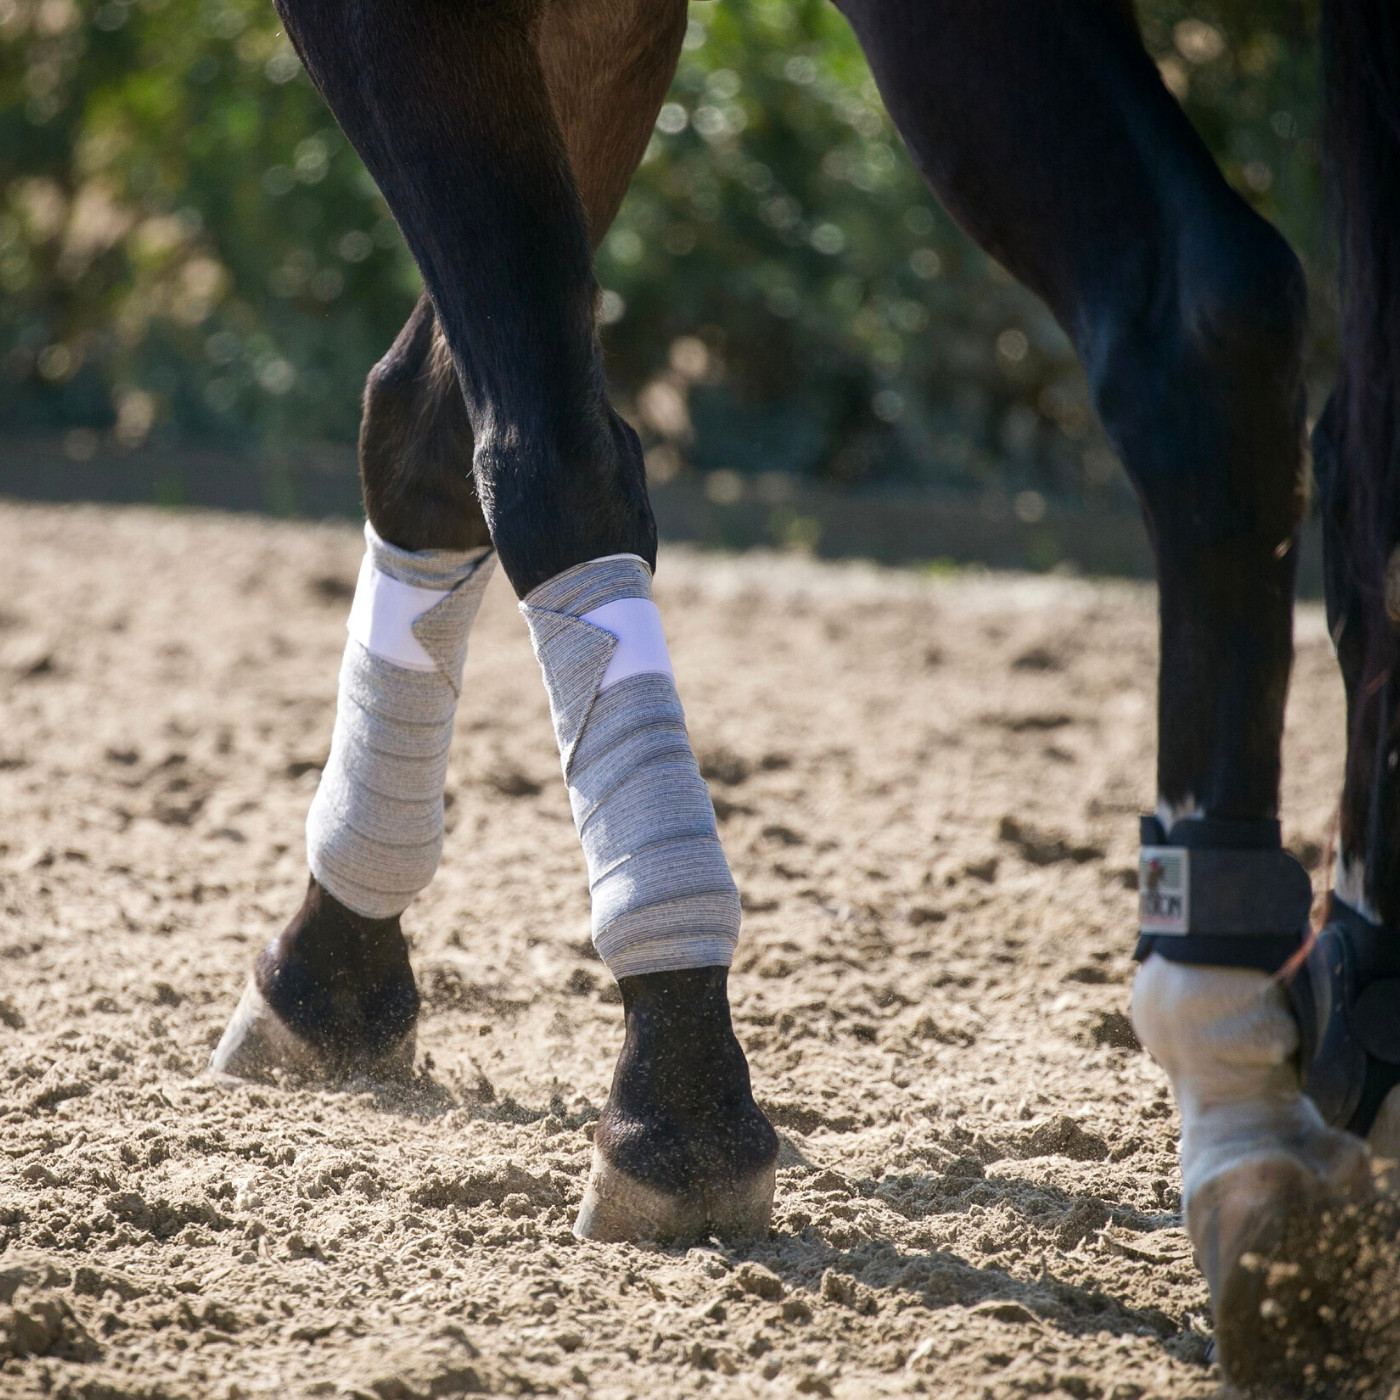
x,y
681,1150
257,1044
1286,1243
618,1206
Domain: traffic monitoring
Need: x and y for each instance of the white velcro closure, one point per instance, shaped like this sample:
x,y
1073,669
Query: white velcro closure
x,y
382,617
641,642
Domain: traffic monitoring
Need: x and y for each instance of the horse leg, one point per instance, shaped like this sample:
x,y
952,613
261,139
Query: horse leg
x,y
1352,1060
335,992
503,136
1347,990
1047,132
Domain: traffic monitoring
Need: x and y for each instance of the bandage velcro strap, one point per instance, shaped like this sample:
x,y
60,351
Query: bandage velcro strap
x,y
1220,892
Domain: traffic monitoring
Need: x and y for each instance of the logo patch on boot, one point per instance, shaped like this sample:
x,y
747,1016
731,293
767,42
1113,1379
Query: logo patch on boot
x,y
1164,889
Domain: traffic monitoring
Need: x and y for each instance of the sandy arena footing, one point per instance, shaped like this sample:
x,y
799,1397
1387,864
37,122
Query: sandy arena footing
x,y
928,790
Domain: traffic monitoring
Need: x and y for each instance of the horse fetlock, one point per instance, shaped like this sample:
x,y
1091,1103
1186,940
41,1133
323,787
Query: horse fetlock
x,y
681,1148
1228,1043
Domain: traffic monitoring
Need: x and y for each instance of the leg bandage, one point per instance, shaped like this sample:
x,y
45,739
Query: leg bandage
x,y
1226,1039
374,831
663,897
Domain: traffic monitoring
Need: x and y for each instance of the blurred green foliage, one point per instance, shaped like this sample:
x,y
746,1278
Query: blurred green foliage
x,y
189,247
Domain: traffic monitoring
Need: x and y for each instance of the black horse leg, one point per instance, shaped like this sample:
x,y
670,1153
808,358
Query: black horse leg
x,y
1045,129
1047,133
341,982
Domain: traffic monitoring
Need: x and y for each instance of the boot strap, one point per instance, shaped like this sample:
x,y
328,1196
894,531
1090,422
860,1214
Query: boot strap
x,y
1220,892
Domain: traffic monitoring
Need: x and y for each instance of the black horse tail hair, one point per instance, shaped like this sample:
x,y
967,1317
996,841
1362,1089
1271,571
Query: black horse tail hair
x,y
1361,131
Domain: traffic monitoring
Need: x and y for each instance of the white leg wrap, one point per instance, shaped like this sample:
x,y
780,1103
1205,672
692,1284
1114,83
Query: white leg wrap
x,y
374,831
663,897
1226,1039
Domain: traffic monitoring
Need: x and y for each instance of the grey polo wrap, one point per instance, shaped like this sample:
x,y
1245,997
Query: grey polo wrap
x,y
375,828
663,897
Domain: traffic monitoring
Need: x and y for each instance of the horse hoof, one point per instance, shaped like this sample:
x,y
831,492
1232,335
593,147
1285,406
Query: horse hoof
x,y
1280,1239
681,1150
257,1044
332,996
617,1206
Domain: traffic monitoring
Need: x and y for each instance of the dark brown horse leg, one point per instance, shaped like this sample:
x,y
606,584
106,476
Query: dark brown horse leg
x,y
1045,129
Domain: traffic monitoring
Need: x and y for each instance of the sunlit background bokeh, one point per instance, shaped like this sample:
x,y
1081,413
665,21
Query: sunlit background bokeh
x,y
192,256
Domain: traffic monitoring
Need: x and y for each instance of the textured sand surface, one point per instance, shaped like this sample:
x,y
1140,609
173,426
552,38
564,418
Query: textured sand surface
x,y
928,791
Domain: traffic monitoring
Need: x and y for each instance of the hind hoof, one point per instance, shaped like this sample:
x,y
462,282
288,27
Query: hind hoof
x,y
617,1207
257,1044
1278,1238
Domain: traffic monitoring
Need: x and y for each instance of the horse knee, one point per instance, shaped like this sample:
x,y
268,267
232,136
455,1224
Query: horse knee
x,y
578,494
416,445
1199,381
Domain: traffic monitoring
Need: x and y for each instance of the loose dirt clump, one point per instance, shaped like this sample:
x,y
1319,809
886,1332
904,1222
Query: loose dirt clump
x,y
977,1193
